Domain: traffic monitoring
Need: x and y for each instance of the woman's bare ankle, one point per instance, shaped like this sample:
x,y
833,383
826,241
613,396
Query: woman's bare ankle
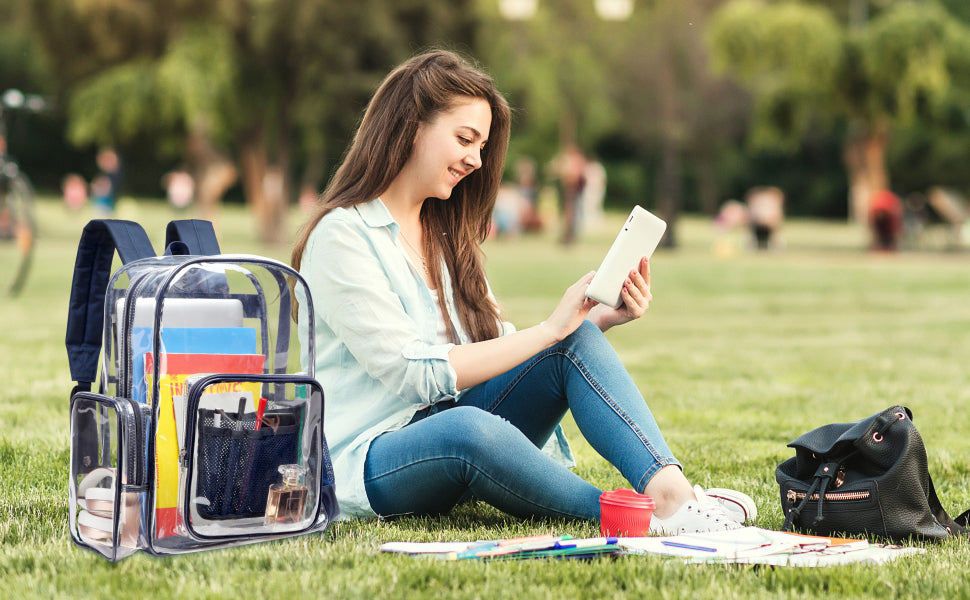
x,y
670,490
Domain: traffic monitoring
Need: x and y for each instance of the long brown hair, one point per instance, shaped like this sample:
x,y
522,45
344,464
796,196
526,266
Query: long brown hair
x,y
414,93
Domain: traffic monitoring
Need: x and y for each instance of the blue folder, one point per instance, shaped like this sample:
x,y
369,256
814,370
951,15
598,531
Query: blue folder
x,y
191,340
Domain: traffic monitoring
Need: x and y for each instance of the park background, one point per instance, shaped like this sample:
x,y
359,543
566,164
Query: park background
x,y
687,104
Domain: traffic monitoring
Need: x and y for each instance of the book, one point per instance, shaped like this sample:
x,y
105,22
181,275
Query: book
x,y
753,545
531,547
172,409
197,340
872,554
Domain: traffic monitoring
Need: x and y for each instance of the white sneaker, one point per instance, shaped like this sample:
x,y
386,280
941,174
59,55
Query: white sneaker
x,y
695,516
737,505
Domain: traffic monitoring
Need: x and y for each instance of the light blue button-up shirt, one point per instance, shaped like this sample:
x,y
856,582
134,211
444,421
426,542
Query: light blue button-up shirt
x,y
378,356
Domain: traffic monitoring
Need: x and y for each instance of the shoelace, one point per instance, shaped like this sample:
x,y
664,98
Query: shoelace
x,y
709,509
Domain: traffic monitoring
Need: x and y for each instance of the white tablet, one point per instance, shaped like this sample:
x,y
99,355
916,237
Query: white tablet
x,y
639,237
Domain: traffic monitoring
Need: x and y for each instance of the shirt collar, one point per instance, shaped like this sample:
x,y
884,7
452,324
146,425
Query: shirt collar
x,y
375,214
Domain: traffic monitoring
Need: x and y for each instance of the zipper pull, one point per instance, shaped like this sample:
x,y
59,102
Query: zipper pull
x,y
840,476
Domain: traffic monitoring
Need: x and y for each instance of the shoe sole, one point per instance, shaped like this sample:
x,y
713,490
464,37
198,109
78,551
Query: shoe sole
x,y
737,505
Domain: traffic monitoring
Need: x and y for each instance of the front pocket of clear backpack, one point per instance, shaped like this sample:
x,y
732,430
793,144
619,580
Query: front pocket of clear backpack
x,y
238,459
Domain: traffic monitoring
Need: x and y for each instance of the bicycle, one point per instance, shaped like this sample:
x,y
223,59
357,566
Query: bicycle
x,y
17,224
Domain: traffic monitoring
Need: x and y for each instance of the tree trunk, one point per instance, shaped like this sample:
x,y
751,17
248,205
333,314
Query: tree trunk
x,y
669,188
864,157
707,188
264,188
214,173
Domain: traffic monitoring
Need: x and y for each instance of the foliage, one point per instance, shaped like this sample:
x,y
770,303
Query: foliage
x,y
726,88
19,66
116,105
902,68
196,81
911,57
790,53
551,68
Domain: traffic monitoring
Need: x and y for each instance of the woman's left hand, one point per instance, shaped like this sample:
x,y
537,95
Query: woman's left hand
x,y
636,300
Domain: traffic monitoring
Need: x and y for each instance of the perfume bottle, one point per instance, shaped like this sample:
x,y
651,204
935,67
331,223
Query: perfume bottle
x,y
286,499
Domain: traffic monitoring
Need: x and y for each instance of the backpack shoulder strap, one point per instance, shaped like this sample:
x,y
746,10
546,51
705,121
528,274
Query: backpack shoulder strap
x,y
92,271
199,236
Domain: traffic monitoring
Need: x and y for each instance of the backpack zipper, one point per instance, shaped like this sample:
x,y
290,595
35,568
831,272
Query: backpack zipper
x,y
124,345
794,496
135,432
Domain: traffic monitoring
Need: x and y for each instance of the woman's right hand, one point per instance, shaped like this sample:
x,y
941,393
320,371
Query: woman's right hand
x,y
480,361
572,310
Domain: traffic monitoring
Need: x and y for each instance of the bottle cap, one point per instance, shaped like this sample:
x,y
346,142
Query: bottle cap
x,y
292,474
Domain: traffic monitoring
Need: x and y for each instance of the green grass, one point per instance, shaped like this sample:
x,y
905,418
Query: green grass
x,y
737,355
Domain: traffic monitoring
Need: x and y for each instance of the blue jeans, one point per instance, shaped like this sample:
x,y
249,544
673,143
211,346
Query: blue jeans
x,y
487,445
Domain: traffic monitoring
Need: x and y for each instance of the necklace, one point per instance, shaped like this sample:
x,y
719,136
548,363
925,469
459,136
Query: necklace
x,y
416,253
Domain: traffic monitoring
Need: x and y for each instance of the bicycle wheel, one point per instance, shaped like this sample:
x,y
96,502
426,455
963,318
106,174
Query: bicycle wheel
x,y
17,228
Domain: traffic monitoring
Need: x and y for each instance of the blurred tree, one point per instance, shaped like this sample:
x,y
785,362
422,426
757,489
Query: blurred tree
x,y
20,66
133,71
806,70
673,106
247,83
551,68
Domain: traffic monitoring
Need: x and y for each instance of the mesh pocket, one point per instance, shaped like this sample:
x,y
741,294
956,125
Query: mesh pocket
x,y
237,463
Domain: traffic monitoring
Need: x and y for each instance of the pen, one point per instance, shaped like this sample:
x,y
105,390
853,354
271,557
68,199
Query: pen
x,y
586,543
688,546
259,413
518,541
239,415
511,546
475,550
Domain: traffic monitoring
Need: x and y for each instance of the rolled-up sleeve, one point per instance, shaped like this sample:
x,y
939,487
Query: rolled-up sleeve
x,y
365,294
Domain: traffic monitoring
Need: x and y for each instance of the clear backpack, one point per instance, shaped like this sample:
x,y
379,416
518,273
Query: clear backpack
x,y
202,431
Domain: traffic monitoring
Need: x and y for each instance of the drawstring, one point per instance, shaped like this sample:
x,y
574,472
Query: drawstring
x,y
794,513
825,480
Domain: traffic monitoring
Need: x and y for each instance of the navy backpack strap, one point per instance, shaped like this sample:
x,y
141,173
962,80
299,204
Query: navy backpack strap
x,y
198,235
92,271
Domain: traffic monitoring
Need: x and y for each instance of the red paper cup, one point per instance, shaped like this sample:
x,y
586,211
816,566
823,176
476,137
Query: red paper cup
x,y
624,512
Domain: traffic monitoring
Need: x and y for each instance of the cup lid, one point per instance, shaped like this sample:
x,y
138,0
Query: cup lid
x,y
627,498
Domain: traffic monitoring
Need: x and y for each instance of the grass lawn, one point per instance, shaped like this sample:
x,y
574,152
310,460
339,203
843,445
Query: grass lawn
x,y
739,353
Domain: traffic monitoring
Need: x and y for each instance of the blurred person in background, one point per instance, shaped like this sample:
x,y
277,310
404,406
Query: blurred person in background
x,y
527,180
179,188
766,212
569,168
75,191
593,195
885,220
105,185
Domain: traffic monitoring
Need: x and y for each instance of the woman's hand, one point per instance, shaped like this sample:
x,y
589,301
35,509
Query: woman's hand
x,y
636,300
480,361
572,310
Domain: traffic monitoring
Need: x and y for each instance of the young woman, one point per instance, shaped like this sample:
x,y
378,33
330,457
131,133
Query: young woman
x,y
431,397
